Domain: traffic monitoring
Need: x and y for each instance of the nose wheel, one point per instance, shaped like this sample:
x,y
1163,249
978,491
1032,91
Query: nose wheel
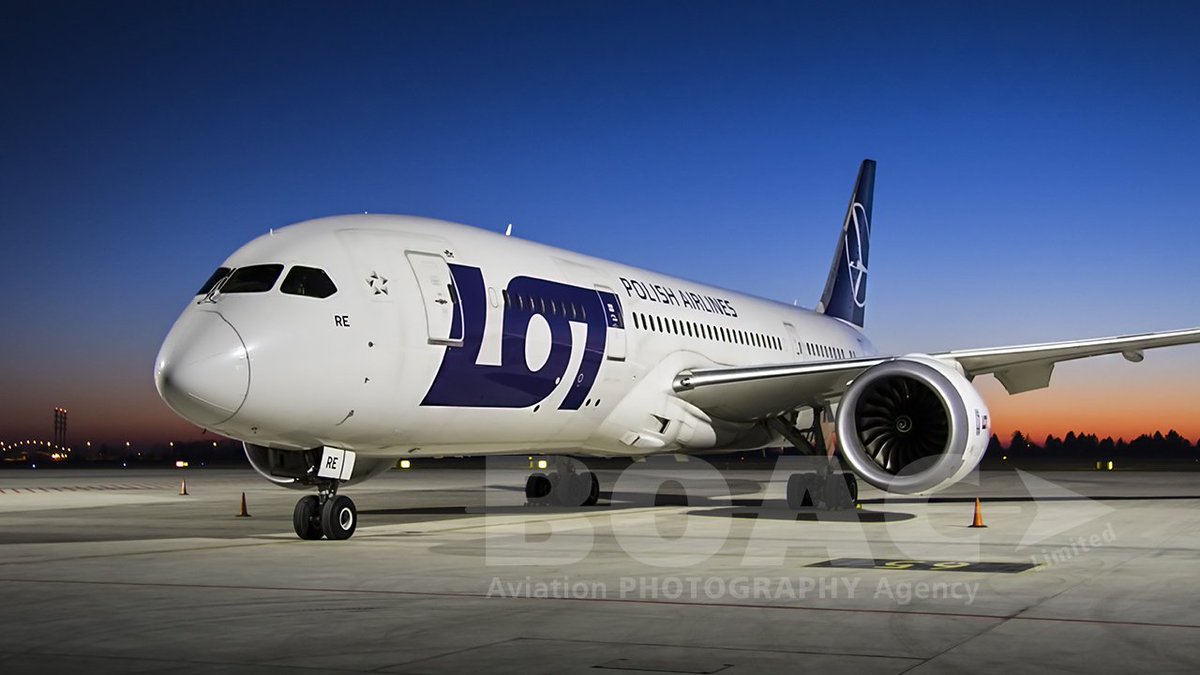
x,y
328,515
339,518
306,518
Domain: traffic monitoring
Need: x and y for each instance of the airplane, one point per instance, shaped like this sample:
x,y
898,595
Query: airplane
x,y
334,347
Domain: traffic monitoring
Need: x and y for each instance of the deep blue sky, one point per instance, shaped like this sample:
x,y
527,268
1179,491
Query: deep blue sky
x,y
1036,162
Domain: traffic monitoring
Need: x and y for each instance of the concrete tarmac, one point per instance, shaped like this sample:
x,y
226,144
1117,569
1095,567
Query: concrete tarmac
x,y
112,571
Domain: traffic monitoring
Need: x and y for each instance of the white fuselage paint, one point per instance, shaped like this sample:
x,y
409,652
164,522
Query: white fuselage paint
x,y
351,370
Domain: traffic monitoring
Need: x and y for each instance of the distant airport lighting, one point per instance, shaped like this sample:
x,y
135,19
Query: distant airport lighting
x,y
543,464
127,444
405,464
89,444
1110,465
180,464
214,444
172,444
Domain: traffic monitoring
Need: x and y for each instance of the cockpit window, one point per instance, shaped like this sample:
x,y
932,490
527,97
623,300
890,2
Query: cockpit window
x,y
252,279
308,281
215,279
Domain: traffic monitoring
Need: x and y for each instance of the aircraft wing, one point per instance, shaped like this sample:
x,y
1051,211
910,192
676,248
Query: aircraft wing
x,y
758,392
1028,367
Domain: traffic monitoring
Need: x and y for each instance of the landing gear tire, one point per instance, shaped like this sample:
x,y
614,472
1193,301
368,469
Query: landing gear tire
x,y
339,518
831,491
802,491
577,489
671,493
562,489
593,494
851,490
538,488
306,518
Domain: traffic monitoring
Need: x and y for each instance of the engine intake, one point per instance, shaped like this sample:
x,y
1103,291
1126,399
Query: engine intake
x,y
913,424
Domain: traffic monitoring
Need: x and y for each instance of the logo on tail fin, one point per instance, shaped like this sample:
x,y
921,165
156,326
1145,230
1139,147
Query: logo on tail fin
x,y
856,252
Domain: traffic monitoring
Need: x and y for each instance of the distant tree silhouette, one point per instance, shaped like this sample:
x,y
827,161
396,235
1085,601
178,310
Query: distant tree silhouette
x,y
1086,450
1018,442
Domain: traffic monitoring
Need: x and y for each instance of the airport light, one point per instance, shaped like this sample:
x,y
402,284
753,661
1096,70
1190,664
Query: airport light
x,y
1110,465
543,464
405,464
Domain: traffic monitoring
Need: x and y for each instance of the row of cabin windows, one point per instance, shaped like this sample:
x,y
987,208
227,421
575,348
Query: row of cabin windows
x,y
828,352
706,331
528,303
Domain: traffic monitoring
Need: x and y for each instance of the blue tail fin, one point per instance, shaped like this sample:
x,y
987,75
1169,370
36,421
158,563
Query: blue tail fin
x,y
845,294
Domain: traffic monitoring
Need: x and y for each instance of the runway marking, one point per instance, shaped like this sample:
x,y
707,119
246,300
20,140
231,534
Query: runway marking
x,y
84,488
671,603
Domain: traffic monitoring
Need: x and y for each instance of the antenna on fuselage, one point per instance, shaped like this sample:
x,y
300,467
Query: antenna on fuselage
x,y
508,230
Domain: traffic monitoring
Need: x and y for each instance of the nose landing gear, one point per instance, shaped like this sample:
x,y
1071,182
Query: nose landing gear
x,y
327,513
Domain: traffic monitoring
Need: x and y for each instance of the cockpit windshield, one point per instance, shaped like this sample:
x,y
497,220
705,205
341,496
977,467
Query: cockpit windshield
x,y
216,278
300,280
308,281
252,279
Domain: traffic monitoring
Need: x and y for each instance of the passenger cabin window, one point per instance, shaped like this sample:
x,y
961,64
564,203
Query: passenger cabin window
x,y
252,279
215,279
308,281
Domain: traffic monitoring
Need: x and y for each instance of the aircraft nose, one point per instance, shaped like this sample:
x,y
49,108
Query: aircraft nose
x,y
203,370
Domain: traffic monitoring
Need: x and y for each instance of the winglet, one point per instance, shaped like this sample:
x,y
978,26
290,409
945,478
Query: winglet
x,y
845,295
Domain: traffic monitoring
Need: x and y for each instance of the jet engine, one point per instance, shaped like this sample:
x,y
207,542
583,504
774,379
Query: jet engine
x,y
293,468
913,424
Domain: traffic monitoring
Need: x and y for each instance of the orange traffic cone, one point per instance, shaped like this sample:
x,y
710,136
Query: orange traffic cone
x,y
244,513
183,487
978,522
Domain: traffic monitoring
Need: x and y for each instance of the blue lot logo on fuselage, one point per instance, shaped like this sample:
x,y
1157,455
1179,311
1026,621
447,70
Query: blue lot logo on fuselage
x,y
463,382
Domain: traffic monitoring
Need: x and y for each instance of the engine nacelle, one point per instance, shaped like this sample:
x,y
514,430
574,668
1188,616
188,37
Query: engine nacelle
x,y
293,468
913,424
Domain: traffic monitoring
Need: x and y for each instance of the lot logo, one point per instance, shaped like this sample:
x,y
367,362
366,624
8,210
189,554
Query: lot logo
x,y
858,233
463,382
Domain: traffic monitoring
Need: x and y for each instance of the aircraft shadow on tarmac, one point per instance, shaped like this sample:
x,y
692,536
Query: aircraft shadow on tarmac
x,y
770,511
749,508
699,504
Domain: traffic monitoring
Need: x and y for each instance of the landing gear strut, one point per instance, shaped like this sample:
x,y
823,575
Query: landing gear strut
x,y
823,488
569,484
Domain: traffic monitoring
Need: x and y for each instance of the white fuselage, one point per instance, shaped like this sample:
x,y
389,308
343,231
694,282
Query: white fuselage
x,y
444,339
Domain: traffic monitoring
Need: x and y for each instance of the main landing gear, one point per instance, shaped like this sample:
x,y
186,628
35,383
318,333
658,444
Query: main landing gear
x,y
823,488
570,483
828,490
325,514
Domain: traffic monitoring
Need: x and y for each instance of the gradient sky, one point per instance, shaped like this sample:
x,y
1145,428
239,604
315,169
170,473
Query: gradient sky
x,y
1036,181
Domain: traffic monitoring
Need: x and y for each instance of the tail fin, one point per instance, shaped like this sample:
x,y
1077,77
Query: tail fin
x,y
845,295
